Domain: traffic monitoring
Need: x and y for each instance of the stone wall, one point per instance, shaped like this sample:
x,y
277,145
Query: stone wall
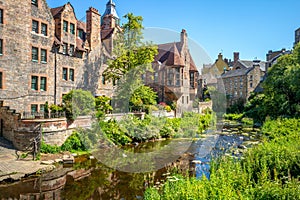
x,y
8,122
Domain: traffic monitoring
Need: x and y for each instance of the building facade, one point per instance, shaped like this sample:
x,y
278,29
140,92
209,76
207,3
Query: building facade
x,y
45,53
175,74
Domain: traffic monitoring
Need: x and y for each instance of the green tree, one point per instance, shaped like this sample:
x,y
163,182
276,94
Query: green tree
x,y
77,103
143,98
129,50
102,106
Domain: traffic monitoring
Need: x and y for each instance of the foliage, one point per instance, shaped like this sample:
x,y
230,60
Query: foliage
x,y
56,108
142,98
170,128
237,107
236,117
78,103
102,106
129,50
267,171
114,133
73,143
281,94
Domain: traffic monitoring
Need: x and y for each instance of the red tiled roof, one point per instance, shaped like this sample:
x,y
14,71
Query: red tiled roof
x,y
56,11
105,34
193,66
168,53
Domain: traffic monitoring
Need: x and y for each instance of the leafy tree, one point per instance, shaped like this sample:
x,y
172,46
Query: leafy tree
x,y
132,58
77,103
281,95
129,50
143,98
102,106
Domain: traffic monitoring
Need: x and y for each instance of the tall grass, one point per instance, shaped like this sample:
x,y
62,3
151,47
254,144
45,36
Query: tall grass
x,y
268,171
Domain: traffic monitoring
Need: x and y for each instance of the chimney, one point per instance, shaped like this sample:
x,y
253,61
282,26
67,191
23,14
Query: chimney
x,y
236,57
183,37
220,56
93,27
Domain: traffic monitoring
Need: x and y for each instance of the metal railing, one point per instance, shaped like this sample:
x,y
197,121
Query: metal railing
x,y
43,115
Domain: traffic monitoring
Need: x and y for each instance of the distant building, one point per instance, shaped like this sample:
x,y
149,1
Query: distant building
x,y
175,74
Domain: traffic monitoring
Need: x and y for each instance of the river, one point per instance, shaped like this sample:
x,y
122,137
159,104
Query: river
x,y
90,179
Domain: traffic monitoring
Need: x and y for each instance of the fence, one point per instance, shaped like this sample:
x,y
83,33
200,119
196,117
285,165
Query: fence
x,y
43,115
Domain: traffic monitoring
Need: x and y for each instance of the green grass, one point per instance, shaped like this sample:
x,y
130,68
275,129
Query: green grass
x,y
268,171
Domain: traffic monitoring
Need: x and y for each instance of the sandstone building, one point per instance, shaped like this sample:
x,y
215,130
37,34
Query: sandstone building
x,y
175,74
45,53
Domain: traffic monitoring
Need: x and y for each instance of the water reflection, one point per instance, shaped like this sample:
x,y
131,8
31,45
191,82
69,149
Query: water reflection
x,y
90,179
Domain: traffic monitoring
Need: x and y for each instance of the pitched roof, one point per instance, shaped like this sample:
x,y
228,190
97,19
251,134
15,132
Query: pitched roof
x,y
105,34
249,64
81,25
237,72
193,65
56,11
169,54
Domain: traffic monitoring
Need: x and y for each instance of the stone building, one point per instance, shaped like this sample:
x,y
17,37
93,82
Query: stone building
x,y
45,53
240,82
175,74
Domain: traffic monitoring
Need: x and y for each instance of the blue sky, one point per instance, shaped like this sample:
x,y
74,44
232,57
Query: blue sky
x,y
251,27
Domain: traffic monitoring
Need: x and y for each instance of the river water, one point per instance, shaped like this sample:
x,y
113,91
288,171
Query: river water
x,y
90,179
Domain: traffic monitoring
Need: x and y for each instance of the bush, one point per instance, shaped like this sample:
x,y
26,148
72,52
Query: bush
x,y
232,116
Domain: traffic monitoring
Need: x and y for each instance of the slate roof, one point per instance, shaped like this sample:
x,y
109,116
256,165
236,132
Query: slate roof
x,y
249,64
237,72
168,53
105,34
56,11
81,25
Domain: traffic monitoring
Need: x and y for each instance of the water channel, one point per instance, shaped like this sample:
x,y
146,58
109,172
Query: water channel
x,y
90,179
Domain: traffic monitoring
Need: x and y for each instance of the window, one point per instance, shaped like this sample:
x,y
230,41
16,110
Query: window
x,y
65,48
34,82
43,86
43,55
1,16
103,80
155,77
71,51
42,108
251,77
1,80
65,74
1,46
170,77
182,99
72,28
81,34
44,30
35,26
34,108
65,28
35,54
187,99
241,93
177,76
251,85
71,75
192,80
34,2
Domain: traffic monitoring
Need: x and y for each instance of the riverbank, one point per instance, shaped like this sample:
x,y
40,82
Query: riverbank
x,y
12,169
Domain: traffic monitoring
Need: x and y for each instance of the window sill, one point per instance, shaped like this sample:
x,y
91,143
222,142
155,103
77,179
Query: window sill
x,y
43,62
35,61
